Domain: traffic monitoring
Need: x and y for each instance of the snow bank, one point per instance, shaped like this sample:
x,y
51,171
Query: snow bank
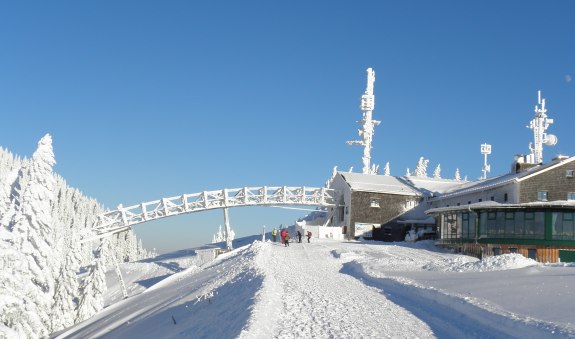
x,y
496,263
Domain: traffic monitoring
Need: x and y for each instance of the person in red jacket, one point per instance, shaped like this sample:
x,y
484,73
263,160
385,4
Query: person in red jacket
x,y
283,234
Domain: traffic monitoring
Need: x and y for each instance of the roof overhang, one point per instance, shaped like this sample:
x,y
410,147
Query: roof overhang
x,y
491,205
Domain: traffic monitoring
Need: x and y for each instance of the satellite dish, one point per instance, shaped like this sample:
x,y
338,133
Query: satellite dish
x,y
550,140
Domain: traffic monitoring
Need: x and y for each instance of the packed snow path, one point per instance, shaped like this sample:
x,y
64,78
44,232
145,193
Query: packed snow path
x,y
307,297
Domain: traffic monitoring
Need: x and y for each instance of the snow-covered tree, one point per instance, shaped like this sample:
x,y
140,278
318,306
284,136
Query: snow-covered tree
x,y
93,286
31,259
421,168
41,220
437,172
386,170
219,236
330,180
457,175
19,313
407,173
67,287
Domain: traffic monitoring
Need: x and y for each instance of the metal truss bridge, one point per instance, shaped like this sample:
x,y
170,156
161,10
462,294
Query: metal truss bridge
x,y
124,217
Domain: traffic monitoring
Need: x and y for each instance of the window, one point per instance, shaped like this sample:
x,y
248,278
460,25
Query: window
x,y
569,173
492,198
505,198
374,203
571,196
480,200
542,196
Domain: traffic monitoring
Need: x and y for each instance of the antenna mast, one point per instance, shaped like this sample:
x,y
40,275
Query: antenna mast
x,y
368,124
485,150
539,125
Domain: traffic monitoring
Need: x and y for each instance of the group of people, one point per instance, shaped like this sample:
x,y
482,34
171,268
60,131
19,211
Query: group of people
x,y
285,236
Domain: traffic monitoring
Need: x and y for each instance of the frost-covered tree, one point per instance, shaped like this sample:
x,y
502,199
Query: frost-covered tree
x,y
407,173
41,220
9,166
457,175
386,170
67,287
421,168
437,172
93,286
19,313
219,236
31,259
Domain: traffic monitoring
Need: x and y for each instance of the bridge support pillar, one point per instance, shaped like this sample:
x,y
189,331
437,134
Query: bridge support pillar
x,y
229,237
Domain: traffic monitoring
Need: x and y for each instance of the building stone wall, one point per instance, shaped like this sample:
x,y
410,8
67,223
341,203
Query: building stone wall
x,y
554,182
390,207
497,194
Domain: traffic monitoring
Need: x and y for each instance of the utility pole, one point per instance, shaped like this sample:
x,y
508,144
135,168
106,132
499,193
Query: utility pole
x,y
368,124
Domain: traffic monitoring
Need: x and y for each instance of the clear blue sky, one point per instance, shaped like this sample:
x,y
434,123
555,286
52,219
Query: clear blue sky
x,y
152,99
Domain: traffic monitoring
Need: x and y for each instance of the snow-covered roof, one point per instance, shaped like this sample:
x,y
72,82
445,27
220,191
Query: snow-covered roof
x,y
501,180
570,204
377,183
416,186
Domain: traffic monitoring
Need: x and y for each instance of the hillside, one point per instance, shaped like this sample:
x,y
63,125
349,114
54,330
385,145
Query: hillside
x,y
340,290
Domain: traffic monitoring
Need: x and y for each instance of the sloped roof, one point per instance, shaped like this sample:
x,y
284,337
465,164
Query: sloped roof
x,y
415,186
481,185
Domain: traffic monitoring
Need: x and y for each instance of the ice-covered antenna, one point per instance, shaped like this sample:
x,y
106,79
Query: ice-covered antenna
x,y
368,124
485,150
539,125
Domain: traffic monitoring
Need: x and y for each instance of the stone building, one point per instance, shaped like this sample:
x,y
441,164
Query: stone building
x,y
529,211
383,207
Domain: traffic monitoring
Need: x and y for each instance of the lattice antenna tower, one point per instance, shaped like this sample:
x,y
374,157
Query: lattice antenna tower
x,y
368,124
539,125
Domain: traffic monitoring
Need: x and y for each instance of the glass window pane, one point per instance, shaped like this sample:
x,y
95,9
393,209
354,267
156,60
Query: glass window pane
x,y
557,225
509,224
519,224
539,225
500,223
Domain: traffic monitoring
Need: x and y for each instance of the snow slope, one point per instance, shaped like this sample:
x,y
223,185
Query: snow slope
x,y
329,289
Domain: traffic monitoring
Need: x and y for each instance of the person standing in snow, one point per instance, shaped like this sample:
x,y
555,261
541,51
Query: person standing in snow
x,y
308,235
299,237
287,239
274,233
283,235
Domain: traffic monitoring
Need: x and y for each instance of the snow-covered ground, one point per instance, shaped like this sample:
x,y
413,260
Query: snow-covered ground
x,y
331,289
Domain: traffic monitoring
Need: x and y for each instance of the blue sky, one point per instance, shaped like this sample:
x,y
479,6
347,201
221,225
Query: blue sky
x,y
150,99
